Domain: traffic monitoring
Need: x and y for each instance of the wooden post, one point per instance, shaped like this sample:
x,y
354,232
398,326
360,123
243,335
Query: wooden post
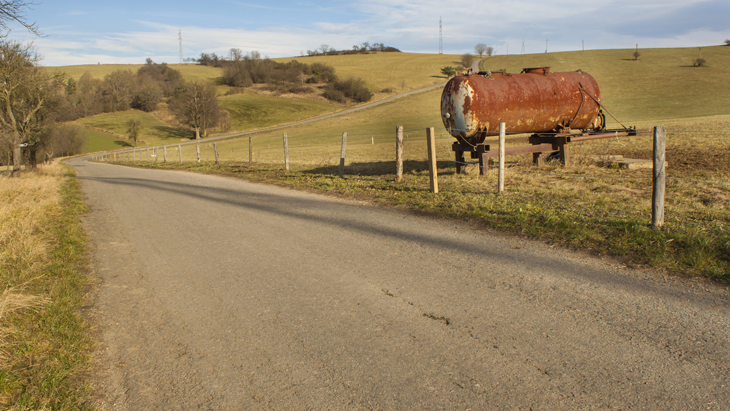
x,y
342,155
156,154
286,152
197,151
432,170
398,153
179,152
659,178
148,154
501,157
164,149
134,155
215,149
250,151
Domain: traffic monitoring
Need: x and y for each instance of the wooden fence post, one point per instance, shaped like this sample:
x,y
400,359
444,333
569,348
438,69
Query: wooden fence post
x,y
157,154
179,152
398,153
165,150
659,178
197,151
215,149
134,155
250,151
501,157
432,169
342,155
286,153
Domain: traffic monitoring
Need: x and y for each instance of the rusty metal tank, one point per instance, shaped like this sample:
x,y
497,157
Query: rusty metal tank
x,y
534,101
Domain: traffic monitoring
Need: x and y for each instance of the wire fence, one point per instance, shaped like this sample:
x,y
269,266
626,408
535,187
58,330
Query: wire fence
x,y
308,151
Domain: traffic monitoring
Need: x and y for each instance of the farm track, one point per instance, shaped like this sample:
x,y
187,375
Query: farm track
x,y
215,293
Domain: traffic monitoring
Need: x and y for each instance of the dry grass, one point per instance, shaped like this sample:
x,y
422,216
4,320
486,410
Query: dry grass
x,y
42,337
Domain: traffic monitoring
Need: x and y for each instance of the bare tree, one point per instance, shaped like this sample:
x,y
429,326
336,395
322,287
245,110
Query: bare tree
x,y
727,42
24,90
196,105
14,10
480,49
235,54
325,48
133,128
489,51
466,60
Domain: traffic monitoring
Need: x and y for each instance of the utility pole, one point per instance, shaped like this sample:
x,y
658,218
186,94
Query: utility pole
x,y
441,43
522,51
545,45
179,36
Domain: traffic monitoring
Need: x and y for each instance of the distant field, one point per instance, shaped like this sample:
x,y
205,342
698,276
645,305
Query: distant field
x,y
189,71
153,131
388,70
251,110
660,85
97,141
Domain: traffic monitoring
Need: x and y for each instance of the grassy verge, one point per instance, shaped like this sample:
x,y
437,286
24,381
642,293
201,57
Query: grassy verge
x,y
605,211
44,340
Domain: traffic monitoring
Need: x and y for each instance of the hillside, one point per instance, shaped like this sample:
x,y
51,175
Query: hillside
x,y
662,85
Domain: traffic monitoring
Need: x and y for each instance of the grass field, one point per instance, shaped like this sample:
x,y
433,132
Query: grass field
x,y
660,85
153,131
398,71
250,110
189,71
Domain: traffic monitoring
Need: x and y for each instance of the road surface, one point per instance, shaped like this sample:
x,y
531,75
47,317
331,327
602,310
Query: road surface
x,y
217,294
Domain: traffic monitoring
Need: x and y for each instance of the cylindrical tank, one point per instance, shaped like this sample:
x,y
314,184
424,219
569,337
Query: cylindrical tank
x,y
534,101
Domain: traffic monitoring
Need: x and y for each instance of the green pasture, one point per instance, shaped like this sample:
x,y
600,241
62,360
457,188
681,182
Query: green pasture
x,y
153,131
250,110
95,140
661,84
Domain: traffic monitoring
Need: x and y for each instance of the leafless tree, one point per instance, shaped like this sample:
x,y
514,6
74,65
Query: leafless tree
x,y
196,106
480,49
235,54
466,60
24,90
14,10
133,128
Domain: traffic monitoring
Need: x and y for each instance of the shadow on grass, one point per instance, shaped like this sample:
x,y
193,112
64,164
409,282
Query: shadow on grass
x,y
170,132
122,143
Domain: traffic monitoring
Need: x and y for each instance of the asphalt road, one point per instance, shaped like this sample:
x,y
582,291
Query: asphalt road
x,y
218,294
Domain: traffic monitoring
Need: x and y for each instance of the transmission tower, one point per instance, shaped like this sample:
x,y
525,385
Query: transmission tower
x,y
522,50
441,41
179,36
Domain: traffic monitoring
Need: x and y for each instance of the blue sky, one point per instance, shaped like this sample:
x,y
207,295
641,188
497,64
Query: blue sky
x,y
90,32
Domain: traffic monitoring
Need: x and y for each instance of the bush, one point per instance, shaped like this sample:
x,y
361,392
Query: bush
x,y
331,93
700,62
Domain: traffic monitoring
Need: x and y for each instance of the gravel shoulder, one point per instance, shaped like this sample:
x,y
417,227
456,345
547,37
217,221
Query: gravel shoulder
x,y
215,293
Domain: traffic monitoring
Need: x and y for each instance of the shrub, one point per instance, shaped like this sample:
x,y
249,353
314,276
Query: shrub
x,y
331,93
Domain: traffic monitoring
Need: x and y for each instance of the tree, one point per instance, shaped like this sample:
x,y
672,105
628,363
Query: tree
x,y
637,55
448,71
490,51
235,54
117,90
727,42
195,104
13,10
24,89
480,49
133,128
466,60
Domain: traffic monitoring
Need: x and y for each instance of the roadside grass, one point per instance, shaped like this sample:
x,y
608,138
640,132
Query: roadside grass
x,y
44,341
662,84
599,209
